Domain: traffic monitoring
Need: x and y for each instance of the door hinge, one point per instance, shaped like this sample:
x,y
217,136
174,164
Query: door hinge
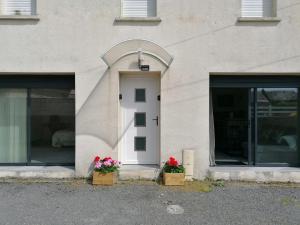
x,y
120,96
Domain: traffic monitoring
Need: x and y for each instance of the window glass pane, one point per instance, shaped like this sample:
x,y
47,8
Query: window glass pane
x,y
17,7
268,8
277,121
140,143
140,119
139,8
13,125
230,116
140,95
257,8
52,126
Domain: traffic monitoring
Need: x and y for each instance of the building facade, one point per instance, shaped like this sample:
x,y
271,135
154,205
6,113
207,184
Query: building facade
x,y
142,80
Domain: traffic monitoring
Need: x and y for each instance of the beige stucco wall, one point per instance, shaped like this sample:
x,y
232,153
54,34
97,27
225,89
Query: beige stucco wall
x,y
203,37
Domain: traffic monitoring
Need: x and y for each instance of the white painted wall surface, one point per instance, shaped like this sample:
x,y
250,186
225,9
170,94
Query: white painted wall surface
x,y
203,36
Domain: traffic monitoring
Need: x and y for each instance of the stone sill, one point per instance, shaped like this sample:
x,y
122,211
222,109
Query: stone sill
x,y
47,172
138,19
259,19
255,174
17,17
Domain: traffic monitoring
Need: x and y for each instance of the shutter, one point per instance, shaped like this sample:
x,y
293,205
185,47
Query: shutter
x,y
139,8
257,8
16,7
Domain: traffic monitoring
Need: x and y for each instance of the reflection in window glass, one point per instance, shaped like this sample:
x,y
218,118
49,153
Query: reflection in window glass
x,y
277,125
52,126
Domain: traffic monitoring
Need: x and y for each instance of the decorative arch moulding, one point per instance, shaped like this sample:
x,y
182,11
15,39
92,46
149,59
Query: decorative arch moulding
x,y
135,46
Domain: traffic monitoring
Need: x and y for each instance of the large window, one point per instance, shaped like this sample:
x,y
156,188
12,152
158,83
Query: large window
x,y
17,7
256,120
258,8
138,8
37,120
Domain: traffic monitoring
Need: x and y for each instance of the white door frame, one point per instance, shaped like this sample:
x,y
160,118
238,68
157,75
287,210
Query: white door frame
x,y
120,117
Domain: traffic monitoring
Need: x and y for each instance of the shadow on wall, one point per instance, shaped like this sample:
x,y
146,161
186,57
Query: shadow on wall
x,y
94,119
97,106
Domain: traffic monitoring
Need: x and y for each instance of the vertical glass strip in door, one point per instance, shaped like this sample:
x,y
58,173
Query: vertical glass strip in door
x,y
13,125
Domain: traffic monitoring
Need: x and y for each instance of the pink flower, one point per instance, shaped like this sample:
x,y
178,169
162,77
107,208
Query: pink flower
x,y
107,163
98,165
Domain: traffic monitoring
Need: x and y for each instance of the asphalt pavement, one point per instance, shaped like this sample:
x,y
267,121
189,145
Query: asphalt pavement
x,y
79,203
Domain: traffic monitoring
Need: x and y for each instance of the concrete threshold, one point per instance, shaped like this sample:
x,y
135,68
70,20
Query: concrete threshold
x,y
256,174
139,172
48,172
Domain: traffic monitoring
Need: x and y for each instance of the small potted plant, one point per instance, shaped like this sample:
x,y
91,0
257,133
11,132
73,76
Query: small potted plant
x,y
105,171
173,173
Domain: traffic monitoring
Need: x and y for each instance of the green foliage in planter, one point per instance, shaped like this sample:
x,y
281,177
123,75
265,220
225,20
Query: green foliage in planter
x,y
173,169
106,170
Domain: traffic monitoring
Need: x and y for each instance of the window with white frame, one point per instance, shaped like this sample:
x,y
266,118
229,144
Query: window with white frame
x,y
17,7
138,8
258,8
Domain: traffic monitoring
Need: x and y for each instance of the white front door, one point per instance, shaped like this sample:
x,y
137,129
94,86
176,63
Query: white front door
x,y
140,118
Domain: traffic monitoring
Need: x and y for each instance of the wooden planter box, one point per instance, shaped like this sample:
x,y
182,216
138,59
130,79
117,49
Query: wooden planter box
x,y
104,179
173,179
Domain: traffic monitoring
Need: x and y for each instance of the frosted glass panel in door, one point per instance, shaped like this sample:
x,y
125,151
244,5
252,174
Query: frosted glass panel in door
x,y
13,129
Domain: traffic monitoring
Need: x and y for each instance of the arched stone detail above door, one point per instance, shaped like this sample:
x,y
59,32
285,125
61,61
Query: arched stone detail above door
x,y
135,46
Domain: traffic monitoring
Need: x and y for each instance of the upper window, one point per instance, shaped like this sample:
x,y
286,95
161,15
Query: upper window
x,y
17,7
138,8
258,8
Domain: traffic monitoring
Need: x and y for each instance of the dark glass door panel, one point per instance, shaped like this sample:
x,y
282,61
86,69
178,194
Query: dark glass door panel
x,y
277,126
52,126
231,124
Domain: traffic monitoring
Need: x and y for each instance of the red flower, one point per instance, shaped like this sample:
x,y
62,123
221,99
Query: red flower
x,y
107,158
172,162
97,159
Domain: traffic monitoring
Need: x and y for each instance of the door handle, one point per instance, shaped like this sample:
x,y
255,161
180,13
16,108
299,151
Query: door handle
x,y
156,119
